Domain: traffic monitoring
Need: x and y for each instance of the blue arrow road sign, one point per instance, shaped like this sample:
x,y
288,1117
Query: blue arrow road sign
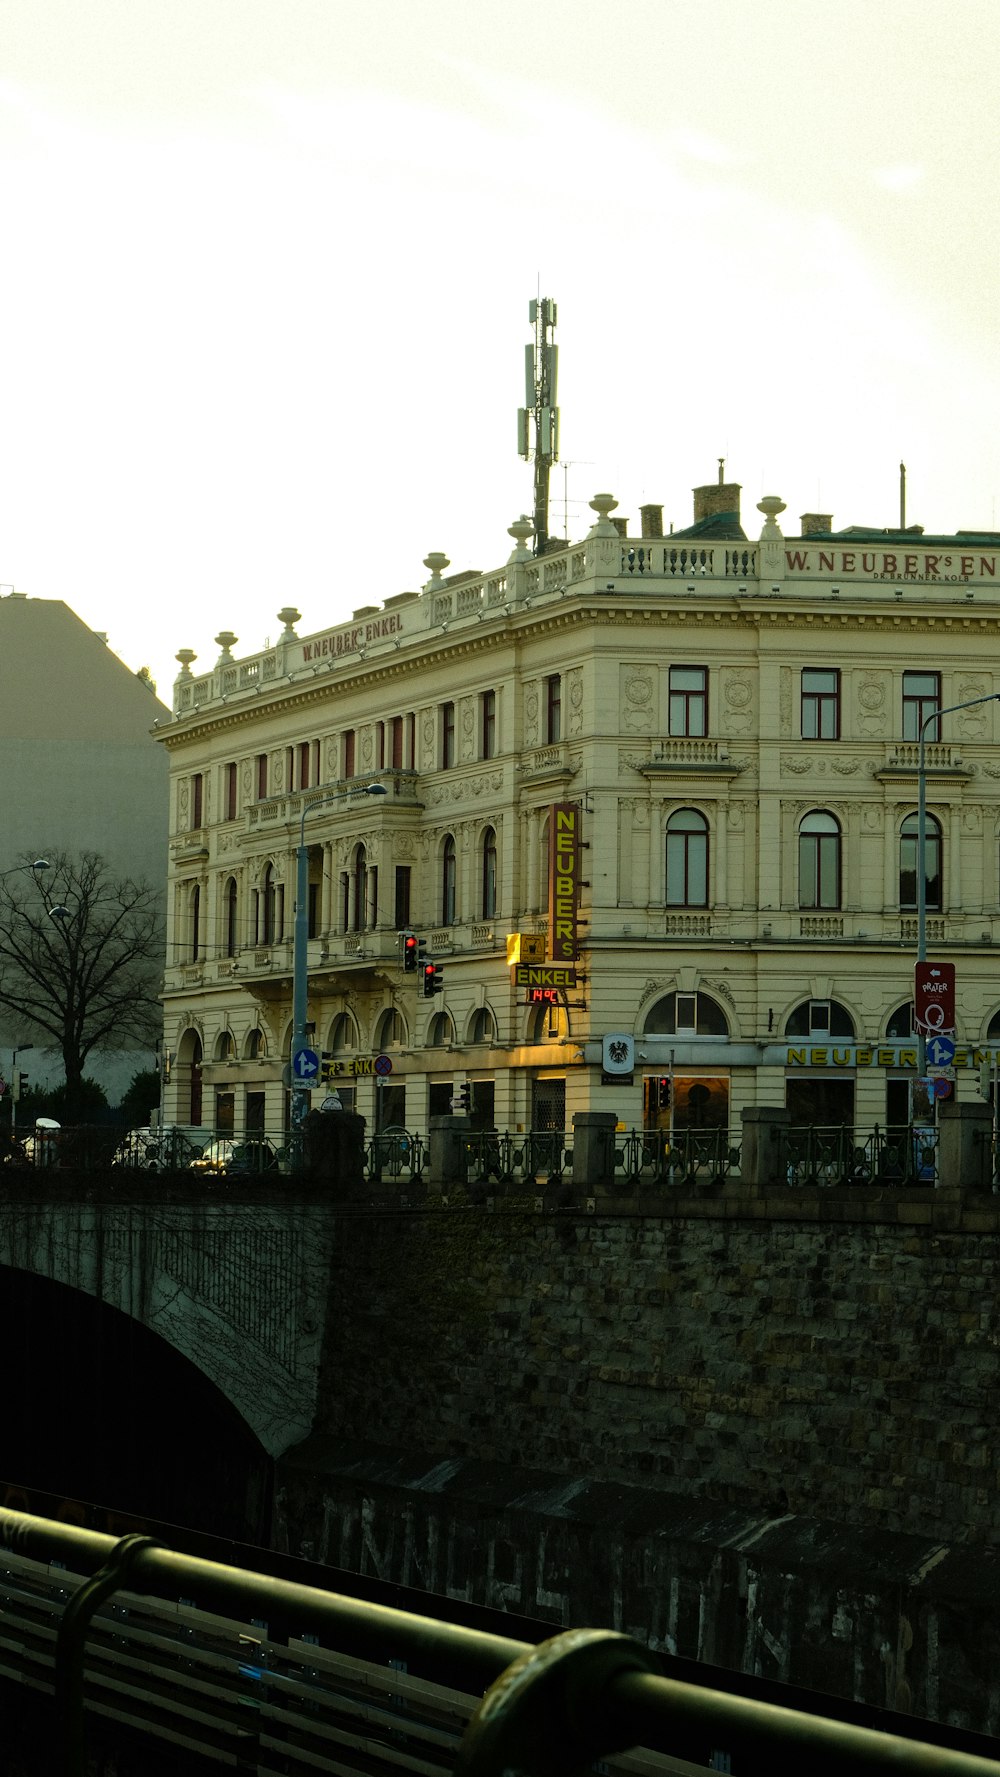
x,y
305,1065
940,1051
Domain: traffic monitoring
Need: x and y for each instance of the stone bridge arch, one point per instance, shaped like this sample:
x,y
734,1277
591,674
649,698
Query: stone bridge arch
x,y
238,1289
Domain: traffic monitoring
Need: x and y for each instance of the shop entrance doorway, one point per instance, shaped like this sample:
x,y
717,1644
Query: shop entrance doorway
x,y
820,1102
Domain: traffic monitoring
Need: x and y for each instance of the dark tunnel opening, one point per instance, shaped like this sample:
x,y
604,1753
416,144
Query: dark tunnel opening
x,y
97,1408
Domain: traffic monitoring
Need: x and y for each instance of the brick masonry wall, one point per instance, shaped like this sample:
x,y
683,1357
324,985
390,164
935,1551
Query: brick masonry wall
x,y
757,1431
831,1361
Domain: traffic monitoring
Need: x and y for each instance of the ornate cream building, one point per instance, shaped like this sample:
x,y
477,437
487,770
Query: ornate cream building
x,y
735,723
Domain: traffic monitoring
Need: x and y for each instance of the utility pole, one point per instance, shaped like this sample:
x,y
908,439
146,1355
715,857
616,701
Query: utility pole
x,y
540,372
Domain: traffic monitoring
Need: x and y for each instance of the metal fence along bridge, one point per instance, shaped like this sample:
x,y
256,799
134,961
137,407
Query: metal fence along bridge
x,y
246,1670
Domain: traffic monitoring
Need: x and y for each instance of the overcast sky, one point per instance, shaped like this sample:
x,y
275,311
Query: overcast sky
x,y
267,265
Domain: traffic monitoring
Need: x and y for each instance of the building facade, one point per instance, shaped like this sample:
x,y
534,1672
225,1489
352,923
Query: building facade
x,y
681,769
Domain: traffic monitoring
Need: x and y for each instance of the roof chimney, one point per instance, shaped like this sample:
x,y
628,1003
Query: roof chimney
x,y
816,521
652,520
718,496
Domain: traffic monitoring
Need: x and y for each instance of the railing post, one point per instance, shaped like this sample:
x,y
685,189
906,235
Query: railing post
x,y
593,1151
333,1149
447,1163
965,1151
764,1153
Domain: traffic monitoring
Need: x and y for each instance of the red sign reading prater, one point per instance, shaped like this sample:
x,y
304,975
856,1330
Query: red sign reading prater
x,y
934,999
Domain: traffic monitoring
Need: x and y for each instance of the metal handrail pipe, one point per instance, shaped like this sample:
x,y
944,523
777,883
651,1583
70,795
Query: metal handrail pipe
x,y
633,1707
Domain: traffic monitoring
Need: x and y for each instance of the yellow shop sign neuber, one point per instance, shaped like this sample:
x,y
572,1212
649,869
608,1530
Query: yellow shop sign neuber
x,y
873,1055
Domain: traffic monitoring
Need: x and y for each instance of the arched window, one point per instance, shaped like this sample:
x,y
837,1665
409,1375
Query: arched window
x,y
686,1014
225,1047
908,863
449,874
482,1026
548,1024
819,1018
230,909
819,860
255,1047
343,1034
359,888
489,876
687,859
189,1053
390,1032
440,1031
900,1022
993,1028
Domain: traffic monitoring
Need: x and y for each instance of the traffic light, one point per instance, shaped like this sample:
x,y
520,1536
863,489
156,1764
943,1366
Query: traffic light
x,y
461,1100
663,1093
410,947
433,980
19,1086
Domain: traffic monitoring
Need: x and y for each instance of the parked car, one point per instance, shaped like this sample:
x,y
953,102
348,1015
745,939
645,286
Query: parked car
x,y
156,1150
253,1155
41,1148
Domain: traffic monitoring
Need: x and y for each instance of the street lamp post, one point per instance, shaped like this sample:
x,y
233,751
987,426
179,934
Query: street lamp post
x,y
300,956
934,717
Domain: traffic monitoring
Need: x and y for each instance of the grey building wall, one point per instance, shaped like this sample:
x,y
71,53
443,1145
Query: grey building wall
x,y
79,771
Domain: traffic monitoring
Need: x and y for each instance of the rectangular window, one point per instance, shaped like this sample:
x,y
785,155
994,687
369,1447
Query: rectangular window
x,y
197,800
686,1013
230,791
402,907
921,699
289,768
397,743
447,735
688,700
553,708
820,703
312,910
305,759
261,776
488,724
380,746
348,753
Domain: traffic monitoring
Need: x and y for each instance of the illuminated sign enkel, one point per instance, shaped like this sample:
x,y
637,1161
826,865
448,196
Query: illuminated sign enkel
x,y
543,975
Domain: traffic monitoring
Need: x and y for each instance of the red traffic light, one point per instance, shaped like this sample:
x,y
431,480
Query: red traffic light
x,y
410,951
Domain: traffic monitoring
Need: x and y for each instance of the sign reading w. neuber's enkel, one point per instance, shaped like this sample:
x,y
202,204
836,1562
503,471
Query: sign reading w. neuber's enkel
x,y
564,880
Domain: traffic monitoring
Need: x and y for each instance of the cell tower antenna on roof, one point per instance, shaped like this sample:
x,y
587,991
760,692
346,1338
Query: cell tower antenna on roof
x,y
540,376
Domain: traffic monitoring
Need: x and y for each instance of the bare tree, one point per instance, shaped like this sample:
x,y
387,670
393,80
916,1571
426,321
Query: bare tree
x,y
81,956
